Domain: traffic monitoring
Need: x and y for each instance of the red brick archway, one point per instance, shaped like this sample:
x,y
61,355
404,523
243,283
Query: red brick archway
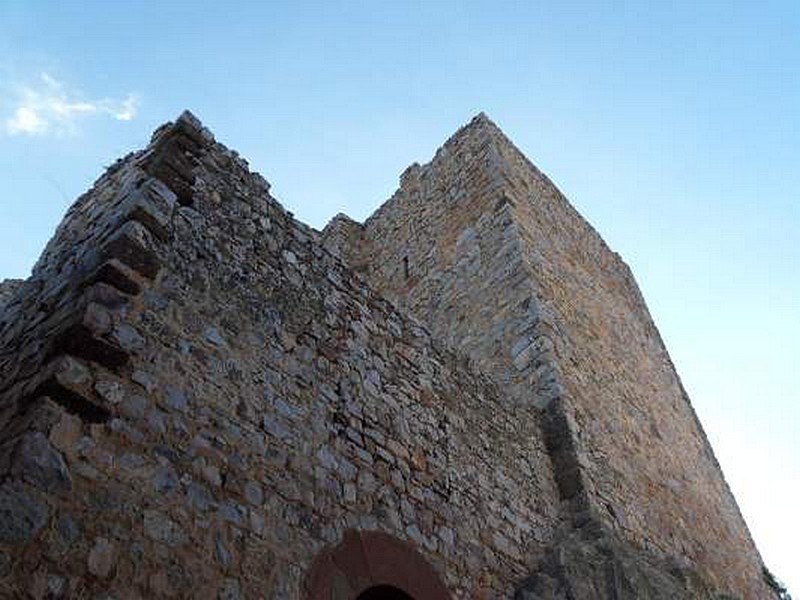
x,y
367,563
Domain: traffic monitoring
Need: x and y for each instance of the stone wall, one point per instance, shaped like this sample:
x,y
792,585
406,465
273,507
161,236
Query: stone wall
x,y
198,397
7,289
481,247
201,396
446,249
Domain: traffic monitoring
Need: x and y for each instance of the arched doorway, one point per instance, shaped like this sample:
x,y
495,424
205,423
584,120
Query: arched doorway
x,y
371,565
383,592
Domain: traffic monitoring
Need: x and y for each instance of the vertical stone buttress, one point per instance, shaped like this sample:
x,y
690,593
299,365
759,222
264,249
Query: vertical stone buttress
x,y
484,250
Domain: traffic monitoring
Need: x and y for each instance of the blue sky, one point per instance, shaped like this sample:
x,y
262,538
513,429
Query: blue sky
x,y
673,127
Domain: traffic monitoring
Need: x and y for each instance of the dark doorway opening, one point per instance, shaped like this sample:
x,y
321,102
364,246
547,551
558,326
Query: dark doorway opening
x,y
384,592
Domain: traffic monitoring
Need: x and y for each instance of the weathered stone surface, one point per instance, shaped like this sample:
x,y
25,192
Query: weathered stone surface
x,y
233,392
21,514
110,391
161,528
68,530
56,586
483,249
5,564
165,479
253,493
37,462
176,398
101,558
593,563
128,338
72,372
8,287
229,590
65,434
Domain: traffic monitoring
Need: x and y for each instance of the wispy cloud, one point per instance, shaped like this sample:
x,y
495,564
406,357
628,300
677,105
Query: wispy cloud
x,y
50,107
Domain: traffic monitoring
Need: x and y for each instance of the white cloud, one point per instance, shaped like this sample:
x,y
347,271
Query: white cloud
x,y
51,107
26,120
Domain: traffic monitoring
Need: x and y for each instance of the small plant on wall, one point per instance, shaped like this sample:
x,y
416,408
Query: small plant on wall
x,y
775,585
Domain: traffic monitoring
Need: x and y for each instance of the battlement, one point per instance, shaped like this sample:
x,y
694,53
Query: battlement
x,y
462,397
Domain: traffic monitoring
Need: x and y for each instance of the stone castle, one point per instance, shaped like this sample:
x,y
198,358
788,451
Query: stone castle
x,y
463,397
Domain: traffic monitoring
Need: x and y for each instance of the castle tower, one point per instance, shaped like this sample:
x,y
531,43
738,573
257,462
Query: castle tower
x,y
486,252
462,398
